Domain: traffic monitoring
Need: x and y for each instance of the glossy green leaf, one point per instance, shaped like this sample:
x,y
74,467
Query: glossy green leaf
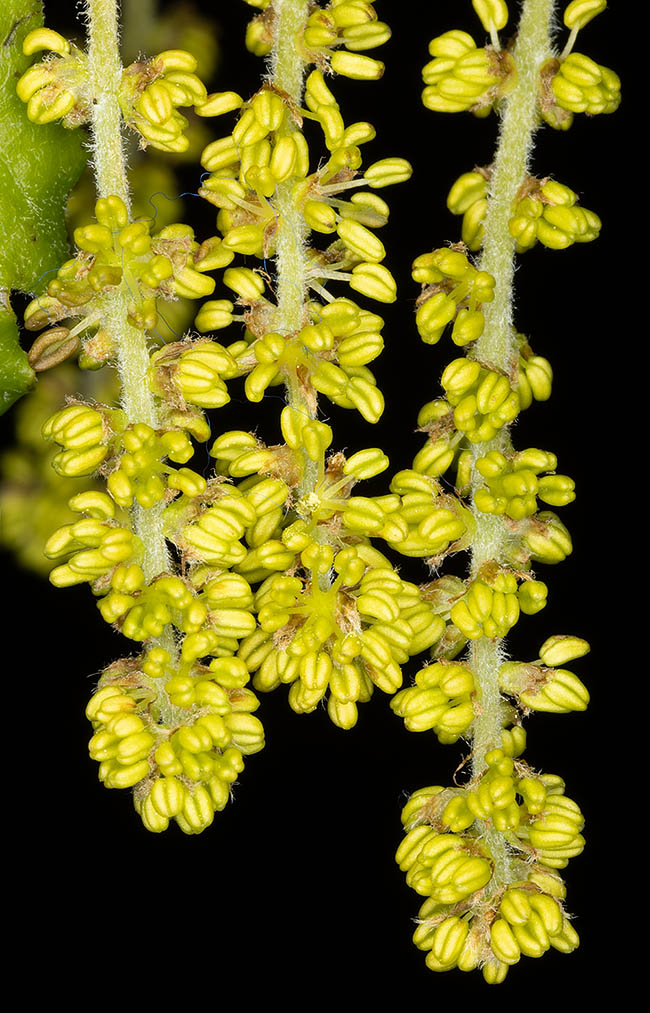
x,y
39,165
16,375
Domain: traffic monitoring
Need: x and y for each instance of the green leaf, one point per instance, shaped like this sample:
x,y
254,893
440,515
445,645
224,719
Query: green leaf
x,y
39,165
16,375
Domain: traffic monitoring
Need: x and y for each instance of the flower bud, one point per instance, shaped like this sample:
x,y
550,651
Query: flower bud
x,y
366,463
580,12
374,281
493,14
360,68
388,171
557,650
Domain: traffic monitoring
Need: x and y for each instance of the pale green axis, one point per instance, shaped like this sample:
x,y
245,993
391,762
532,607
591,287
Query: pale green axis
x,y
498,347
109,162
287,72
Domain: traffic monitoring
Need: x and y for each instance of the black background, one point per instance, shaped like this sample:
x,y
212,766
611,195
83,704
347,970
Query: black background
x,y
293,893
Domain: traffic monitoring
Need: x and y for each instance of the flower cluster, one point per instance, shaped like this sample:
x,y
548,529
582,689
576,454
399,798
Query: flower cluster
x,y
548,214
452,289
150,91
463,77
493,601
544,211
513,485
442,700
181,754
485,854
331,616
272,570
331,351
352,24
470,918
55,88
249,175
115,254
347,637
542,686
574,83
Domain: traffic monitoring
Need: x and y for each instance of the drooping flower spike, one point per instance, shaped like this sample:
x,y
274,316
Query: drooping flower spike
x,y
485,854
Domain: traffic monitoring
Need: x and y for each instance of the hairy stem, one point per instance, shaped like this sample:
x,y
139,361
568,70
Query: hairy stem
x,y
497,346
287,74
519,124
105,68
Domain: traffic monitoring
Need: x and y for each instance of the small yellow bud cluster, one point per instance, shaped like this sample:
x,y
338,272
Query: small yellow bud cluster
x,y
141,473
193,371
98,543
493,601
582,86
182,756
57,88
469,918
574,83
442,867
545,212
436,522
483,400
347,636
544,538
442,700
143,611
151,92
526,920
549,214
463,77
513,484
331,352
117,254
535,376
452,290
87,437
246,166
267,150
538,686
352,24
469,197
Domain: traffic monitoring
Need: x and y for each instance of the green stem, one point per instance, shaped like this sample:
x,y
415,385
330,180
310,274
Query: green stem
x,y
519,124
287,74
105,69
498,347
